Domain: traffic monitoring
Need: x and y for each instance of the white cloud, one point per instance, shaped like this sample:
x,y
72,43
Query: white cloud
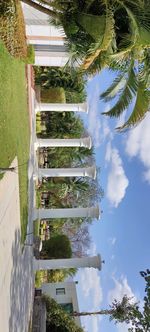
x,y
93,250
106,131
112,240
91,286
117,180
98,125
147,176
108,152
91,323
94,123
91,294
121,119
138,144
120,289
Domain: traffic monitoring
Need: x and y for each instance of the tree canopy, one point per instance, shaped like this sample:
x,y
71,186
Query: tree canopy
x,y
101,29
70,79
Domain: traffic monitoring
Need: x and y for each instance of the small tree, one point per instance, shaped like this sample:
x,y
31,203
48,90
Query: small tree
x,y
57,247
130,313
79,237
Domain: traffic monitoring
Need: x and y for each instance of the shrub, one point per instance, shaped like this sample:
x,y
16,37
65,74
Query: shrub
x,y
57,247
53,95
57,319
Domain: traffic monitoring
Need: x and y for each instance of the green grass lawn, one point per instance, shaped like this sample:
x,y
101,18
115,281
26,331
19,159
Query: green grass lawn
x,y
14,124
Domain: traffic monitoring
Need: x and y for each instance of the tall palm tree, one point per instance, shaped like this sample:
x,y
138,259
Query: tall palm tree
x,y
100,28
119,311
130,313
104,33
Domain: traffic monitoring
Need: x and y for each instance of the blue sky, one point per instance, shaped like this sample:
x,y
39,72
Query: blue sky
x,y
122,234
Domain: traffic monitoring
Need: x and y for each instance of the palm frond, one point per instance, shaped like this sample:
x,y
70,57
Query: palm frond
x,y
144,38
121,57
141,107
104,41
120,66
94,25
115,87
137,11
126,96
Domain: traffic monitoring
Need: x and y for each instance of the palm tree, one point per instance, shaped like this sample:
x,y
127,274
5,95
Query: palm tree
x,y
100,29
62,125
130,313
132,86
70,80
105,33
119,311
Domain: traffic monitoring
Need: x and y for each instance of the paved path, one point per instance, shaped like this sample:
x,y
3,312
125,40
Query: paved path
x,y
16,282
16,262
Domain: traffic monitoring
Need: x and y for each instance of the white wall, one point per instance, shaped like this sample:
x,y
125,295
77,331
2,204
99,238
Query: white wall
x,y
70,295
57,61
40,32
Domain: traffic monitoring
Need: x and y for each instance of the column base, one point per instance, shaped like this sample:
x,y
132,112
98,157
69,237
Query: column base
x,y
36,145
35,214
35,264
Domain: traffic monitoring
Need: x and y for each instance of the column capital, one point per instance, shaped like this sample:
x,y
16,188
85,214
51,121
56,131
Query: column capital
x,y
95,212
86,142
91,172
84,107
95,262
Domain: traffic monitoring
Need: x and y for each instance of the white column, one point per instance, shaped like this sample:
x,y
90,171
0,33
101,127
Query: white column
x,y
55,107
91,212
85,142
52,264
67,172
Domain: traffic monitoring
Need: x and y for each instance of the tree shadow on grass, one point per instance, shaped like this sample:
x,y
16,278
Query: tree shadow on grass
x,y
21,286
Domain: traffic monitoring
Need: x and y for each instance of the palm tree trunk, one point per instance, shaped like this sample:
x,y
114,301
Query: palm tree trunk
x,y
41,8
101,312
88,61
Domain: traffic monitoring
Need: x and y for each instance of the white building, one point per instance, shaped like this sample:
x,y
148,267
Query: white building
x,y
47,40
65,294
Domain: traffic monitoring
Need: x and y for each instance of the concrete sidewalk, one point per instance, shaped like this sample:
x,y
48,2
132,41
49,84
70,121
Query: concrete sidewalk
x,y
16,262
13,302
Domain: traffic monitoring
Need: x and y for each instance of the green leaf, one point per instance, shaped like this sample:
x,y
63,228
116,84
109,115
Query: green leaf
x,y
94,25
116,86
126,96
140,109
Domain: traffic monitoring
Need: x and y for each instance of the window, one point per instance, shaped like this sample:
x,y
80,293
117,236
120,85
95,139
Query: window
x,y
60,291
68,307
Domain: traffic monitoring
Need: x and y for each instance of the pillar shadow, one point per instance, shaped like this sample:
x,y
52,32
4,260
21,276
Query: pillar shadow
x,y
21,285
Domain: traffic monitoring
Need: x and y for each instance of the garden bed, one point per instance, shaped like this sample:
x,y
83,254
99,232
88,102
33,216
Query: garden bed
x,y
12,28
